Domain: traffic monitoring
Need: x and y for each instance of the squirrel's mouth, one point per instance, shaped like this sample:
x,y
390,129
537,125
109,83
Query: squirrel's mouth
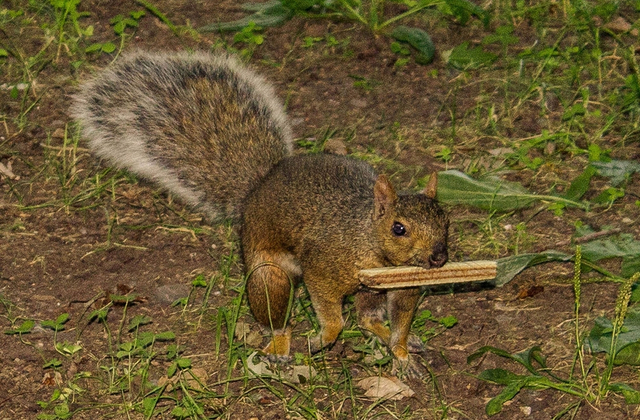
x,y
435,260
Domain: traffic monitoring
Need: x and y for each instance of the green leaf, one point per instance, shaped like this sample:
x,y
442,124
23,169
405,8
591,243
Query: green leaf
x,y
139,320
24,328
4,53
499,376
184,363
448,321
489,193
629,355
53,363
62,319
581,184
97,47
599,339
149,405
494,406
631,396
509,267
100,314
145,339
271,13
418,39
617,170
525,358
171,370
464,58
623,246
68,348
462,9
137,15
165,336
199,281
122,299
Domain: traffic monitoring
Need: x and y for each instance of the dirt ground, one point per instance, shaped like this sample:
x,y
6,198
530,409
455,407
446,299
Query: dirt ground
x,y
58,259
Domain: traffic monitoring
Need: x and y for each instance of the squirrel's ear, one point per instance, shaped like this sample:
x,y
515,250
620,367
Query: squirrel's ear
x,y
384,197
432,186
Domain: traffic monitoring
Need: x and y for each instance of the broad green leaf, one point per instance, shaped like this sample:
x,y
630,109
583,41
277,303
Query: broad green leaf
x,y
494,406
149,405
272,13
631,396
581,184
635,293
487,349
490,193
630,266
599,339
418,39
509,267
629,355
525,358
617,170
623,246
499,376
4,53
463,57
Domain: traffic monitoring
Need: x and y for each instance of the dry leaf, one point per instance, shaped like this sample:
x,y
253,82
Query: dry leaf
x,y
257,369
383,387
302,374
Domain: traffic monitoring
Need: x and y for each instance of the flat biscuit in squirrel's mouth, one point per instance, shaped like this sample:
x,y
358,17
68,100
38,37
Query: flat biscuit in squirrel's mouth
x,y
406,276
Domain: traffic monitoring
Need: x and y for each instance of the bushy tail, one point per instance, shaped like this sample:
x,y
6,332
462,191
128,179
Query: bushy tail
x,y
201,126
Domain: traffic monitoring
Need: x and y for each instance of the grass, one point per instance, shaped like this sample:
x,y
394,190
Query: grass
x,y
556,92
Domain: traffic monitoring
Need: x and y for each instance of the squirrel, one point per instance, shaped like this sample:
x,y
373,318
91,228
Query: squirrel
x,y
214,134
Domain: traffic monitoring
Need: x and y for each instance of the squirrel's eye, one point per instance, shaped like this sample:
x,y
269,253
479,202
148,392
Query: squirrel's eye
x,y
398,229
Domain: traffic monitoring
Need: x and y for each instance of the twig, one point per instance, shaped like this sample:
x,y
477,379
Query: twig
x,y
589,237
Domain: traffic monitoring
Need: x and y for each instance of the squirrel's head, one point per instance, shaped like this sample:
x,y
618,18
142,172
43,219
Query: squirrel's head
x,y
411,229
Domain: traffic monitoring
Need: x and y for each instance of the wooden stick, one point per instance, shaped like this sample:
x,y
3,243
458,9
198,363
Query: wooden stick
x,y
455,272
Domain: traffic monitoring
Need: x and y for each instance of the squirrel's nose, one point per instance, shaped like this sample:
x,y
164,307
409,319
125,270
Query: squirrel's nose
x,y
439,255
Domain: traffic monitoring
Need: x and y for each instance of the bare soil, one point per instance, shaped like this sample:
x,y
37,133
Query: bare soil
x,y
132,239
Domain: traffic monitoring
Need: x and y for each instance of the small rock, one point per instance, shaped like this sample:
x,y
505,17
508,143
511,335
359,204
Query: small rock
x,y
619,25
169,293
59,133
335,147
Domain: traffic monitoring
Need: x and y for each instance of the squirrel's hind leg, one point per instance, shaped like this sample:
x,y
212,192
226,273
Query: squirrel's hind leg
x,y
270,287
